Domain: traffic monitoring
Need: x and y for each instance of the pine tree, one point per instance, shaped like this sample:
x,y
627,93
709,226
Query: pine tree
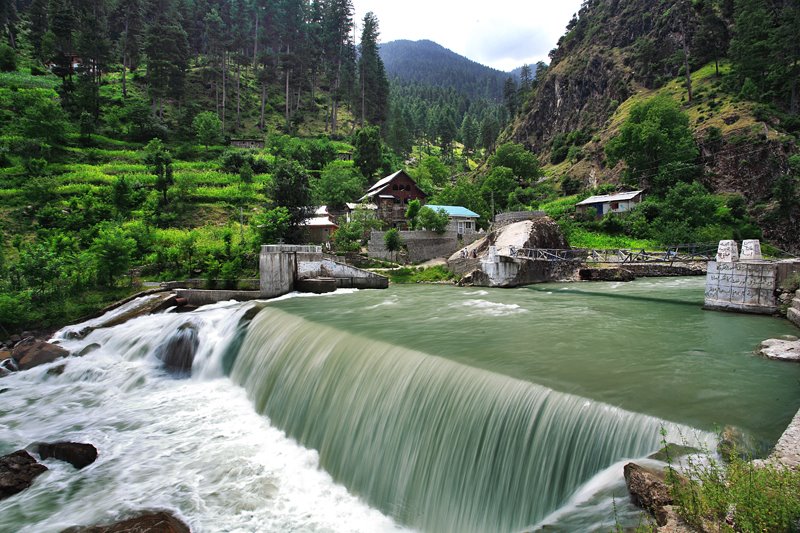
x,y
338,52
751,42
167,52
373,84
127,25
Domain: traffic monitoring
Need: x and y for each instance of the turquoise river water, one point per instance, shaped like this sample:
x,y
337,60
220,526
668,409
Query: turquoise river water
x,y
424,408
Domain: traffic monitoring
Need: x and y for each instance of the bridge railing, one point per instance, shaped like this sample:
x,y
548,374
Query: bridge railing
x,y
673,254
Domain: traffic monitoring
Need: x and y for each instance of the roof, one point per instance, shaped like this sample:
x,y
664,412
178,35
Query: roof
x,y
319,222
455,211
619,197
353,207
383,183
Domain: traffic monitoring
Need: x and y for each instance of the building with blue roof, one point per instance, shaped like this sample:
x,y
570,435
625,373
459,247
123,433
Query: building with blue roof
x,y
462,220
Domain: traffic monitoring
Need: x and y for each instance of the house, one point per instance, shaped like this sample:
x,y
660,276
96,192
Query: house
x,y
320,227
462,220
611,203
253,144
391,195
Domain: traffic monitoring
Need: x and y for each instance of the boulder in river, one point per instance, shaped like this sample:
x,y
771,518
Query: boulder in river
x,y
648,487
17,472
177,352
31,353
155,522
781,349
735,442
77,454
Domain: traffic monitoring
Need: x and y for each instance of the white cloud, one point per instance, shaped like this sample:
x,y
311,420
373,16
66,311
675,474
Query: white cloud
x,y
503,34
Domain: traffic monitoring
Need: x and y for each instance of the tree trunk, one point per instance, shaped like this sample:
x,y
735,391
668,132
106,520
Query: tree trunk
x,y
263,104
224,87
255,43
287,96
238,95
124,77
688,71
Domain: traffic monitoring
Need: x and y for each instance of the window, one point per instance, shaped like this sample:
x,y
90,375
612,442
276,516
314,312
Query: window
x,y
614,205
468,225
394,187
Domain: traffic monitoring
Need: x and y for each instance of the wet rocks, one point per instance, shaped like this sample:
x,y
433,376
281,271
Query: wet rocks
x,y
605,274
672,451
735,442
177,352
77,454
17,472
155,522
648,487
780,349
30,353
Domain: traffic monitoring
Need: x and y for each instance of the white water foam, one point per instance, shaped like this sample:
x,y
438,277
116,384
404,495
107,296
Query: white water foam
x,y
487,308
195,447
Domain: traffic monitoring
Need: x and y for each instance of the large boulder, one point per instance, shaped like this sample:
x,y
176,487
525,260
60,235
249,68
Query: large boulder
x,y
605,274
155,522
17,472
648,487
77,454
31,353
733,442
780,349
177,352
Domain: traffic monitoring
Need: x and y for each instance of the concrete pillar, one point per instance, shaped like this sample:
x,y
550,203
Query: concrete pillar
x,y
727,252
751,250
278,268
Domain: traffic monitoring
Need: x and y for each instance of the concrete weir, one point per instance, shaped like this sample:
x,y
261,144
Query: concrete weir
x,y
745,282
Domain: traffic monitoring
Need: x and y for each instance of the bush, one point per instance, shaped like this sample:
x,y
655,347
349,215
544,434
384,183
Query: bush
x,y
8,59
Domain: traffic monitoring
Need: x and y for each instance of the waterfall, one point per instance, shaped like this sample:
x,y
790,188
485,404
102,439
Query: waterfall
x,y
439,445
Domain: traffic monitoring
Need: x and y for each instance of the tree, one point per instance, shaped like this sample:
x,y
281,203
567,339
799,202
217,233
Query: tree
x,y
207,127
510,95
751,45
433,220
167,52
523,164
273,225
711,39
8,58
412,211
159,162
656,144
373,84
368,155
497,185
392,241
290,189
338,184
112,250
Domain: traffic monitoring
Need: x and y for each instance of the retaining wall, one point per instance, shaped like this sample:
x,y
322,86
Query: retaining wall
x,y
205,297
422,245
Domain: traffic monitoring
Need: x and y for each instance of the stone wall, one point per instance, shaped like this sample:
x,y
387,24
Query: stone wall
x,y
350,277
656,270
747,287
200,297
793,313
421,245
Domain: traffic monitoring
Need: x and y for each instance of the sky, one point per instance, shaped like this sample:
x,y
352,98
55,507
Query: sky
x,y
504,34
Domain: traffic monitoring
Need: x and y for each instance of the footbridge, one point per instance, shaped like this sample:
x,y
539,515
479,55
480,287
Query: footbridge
x,y
685,253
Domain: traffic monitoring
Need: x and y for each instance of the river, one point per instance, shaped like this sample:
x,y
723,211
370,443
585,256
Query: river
x,y
430,408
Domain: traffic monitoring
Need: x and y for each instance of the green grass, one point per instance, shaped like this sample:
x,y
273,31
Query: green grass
x,y
418,275
581,238
23,80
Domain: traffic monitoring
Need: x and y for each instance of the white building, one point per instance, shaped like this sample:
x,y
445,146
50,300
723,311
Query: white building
x,y
462,220
611,203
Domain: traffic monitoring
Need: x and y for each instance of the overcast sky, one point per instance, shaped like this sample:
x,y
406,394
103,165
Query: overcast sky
x,y
503,34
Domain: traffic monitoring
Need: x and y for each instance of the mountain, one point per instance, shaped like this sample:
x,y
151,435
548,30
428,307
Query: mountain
x,y
427,63
742,108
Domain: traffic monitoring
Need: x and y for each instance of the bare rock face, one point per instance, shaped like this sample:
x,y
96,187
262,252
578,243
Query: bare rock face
x,y
156,522
32,353
17,472
648,487
77,454
605,274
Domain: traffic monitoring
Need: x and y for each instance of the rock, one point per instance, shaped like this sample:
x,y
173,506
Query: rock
x,y
672,451
605,274
780,349
155,522
77,454
17,472
670,522
734,441
789,338
35,353
89,348
177,352
647,487
56,370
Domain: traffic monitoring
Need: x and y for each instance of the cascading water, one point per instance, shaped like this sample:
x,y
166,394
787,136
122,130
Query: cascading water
x,y
439,445
352,411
